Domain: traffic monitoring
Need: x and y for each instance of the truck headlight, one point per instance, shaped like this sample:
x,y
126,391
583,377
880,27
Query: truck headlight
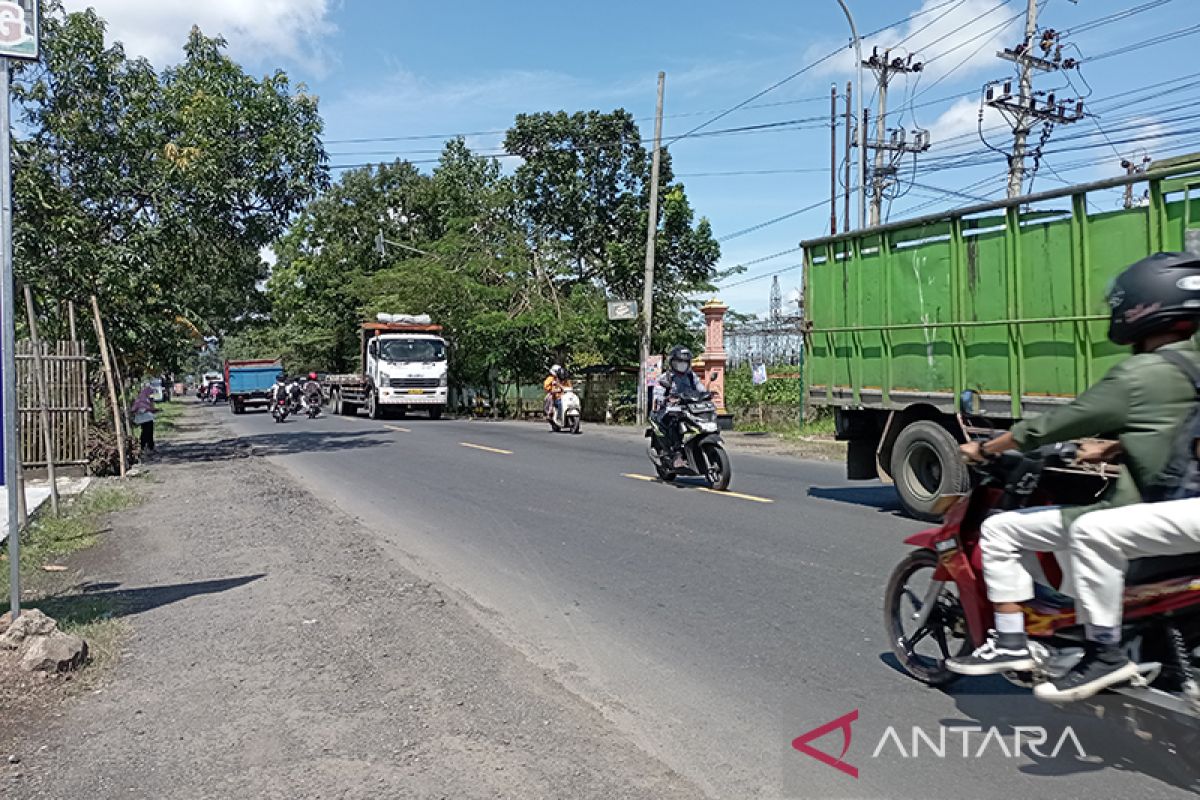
x,y
444,380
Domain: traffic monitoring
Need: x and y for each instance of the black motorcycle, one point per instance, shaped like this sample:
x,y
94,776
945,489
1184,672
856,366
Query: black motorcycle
x,y
703,449
280,407
312,405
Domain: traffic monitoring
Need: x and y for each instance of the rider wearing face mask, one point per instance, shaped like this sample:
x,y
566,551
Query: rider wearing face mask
x,y
675,382
1143,401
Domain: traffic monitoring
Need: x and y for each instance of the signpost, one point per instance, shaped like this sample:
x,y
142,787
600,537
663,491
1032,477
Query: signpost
x,y
19,39
622,310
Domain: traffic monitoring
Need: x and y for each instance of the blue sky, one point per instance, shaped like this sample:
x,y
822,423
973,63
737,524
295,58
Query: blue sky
x,y
405,69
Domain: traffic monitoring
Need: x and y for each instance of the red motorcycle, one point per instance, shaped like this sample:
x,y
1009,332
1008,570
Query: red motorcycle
x,y
936,604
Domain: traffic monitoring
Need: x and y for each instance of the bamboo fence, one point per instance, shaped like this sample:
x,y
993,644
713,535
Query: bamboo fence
x,y
66,367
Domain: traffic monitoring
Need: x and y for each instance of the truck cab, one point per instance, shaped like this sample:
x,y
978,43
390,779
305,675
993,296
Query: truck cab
x,y
408,371
404,368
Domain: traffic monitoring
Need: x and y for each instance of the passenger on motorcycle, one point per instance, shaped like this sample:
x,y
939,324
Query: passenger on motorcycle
x,y
312,386
553,386
1154,307
279,388
675,382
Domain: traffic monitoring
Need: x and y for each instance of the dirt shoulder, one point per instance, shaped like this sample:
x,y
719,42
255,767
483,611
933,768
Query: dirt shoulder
x,y
277,652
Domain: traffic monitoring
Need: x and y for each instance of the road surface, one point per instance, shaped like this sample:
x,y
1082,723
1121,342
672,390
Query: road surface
x,y
714,629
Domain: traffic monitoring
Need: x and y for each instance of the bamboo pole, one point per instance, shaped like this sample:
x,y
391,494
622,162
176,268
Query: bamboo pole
x,y
43,399
71,320
118,424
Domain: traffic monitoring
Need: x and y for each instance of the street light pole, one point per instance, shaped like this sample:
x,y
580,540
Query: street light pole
x,y
862,141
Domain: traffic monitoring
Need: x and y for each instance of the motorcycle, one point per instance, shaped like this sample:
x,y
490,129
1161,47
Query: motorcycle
x,y
936,603
281,407
312,405
216,393
295,398
703,448
566,415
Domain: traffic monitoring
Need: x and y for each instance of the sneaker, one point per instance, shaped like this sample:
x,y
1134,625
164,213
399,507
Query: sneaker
x,y
680,462
1002,652
1101,667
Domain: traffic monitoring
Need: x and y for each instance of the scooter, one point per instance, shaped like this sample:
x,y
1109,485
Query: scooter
x,y
703,448
936,604
566,414
216,392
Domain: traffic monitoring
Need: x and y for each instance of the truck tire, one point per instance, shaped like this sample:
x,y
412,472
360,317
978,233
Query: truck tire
x,y
341,407
925,466
236,406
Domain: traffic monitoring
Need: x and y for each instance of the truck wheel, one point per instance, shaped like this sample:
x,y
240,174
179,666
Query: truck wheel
x,y
236,407
375,409
925,466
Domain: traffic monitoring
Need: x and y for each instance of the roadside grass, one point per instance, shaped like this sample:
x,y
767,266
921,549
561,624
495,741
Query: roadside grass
x,y
821,426
167,417
48,540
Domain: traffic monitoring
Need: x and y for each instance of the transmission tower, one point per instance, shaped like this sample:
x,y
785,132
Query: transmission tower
x,y
1028,110
776,301
891,144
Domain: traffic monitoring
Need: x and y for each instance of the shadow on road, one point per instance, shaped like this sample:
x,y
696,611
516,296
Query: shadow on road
x,y
881,498
1158,747
287,441
102,600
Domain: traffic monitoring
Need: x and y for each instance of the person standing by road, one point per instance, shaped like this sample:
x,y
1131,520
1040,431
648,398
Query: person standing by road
x,y
143,410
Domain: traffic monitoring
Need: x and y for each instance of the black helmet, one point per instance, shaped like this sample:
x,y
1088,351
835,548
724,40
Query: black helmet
x,y
281,377
680,359
1158,294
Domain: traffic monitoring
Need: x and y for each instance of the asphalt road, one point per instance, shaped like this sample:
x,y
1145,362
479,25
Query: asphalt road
x,y
714,629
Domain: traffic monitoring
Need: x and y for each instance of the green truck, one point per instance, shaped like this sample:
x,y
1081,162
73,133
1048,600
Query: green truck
x,y
995,306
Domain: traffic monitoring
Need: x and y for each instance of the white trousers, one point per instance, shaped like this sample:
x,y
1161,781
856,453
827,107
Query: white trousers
x,y
1094,553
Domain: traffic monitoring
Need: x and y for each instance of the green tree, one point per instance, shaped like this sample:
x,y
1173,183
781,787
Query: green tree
x,y
155,193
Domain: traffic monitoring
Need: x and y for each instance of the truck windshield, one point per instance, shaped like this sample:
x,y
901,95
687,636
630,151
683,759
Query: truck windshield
x,y
412,350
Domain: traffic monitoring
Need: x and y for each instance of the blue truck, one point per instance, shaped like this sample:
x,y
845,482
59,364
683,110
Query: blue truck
x,y
248,382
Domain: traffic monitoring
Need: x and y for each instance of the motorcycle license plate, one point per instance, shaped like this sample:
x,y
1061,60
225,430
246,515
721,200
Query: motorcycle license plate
x,y
701,408
416,391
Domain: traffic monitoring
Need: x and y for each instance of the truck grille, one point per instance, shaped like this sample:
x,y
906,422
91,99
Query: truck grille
x,y
414,383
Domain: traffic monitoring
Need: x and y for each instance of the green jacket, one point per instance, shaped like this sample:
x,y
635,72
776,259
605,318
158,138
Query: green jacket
x,y
1141,401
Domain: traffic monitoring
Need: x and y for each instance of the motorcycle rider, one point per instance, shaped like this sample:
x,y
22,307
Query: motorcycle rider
x,y
672,384
279,388
312,386
1154,306
553,386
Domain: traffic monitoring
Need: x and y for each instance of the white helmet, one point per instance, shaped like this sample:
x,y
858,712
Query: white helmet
x,y
557,371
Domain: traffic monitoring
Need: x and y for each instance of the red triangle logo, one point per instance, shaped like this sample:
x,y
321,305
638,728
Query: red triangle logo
x,y
843,724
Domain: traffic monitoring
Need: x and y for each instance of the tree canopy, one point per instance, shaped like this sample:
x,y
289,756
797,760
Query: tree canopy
x,y
155,191
518,267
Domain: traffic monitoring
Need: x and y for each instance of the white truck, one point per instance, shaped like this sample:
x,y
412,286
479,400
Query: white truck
x,y
404,369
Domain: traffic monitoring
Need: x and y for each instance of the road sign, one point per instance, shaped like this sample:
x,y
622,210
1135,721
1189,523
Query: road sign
x,y
20,29
622,310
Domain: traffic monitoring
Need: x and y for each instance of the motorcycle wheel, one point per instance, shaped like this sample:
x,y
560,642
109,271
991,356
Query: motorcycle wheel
x,y
575,425
720,471
554,426
902,603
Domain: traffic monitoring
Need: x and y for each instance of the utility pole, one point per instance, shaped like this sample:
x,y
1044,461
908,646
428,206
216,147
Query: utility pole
x,y
849,132
1133,168
833,165
888,152
1028,109
651,235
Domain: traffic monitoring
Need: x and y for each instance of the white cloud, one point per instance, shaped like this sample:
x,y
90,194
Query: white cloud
x,y
957,128
257,30
935,34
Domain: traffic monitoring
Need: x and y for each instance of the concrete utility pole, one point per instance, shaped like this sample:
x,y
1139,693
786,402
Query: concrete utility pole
x,y
1026,110
651,236
833,165
849,132
887,153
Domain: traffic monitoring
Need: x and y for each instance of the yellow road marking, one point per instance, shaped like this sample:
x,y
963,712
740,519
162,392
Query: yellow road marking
x,y
487,449
398,428
752,498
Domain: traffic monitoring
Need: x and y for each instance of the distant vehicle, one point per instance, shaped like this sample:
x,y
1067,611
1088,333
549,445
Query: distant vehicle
x,y
565,416
248,382
404,369
159,393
